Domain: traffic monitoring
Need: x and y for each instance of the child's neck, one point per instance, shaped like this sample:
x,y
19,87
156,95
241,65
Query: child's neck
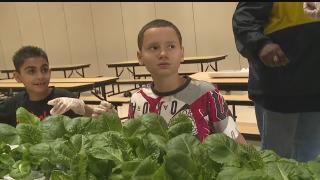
x,y
39,96
167,84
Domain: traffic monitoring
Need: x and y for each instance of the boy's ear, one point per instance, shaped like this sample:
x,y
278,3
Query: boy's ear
x,y
139,56
182,54
17,76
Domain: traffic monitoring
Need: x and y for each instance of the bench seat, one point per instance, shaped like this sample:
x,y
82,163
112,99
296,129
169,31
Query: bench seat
x,y
115,100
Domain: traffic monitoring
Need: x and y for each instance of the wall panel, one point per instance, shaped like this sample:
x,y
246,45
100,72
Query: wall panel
x,y
135,15
81,36
181,14
9,32
30,24
109,35
106,32
214,31
55,34
2,62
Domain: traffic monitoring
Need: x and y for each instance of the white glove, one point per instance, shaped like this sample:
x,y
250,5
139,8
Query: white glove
x,y
312,9
64,104
104,106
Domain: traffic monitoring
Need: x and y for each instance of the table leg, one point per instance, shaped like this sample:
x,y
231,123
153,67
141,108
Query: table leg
x,y
82,69
103,92
234,112
133,72
216,65
80,73
112,89
117,72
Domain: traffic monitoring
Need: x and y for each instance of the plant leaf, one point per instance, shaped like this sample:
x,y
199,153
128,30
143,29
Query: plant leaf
x,y
179,165
107,153
9,134
179,125
52,127
59,175
112,121
24,116
185,143
145,169
155,124
221,148
29,133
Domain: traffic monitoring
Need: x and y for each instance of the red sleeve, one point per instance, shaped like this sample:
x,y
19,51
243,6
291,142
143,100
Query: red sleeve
x,y
218,108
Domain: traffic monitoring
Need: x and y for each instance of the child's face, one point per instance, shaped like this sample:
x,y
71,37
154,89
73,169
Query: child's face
x,y
161,52
35,75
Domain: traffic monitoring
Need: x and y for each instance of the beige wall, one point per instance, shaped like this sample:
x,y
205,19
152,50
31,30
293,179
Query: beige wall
x,y
106,32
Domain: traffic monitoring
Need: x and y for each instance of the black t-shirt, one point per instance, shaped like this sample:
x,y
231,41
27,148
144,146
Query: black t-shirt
x,y
40,108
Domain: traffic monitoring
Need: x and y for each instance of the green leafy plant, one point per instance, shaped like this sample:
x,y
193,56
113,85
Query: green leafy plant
x,y
59,147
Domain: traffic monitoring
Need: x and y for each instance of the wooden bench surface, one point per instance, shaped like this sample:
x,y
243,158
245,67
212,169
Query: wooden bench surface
x,y
236,97
121,99
111,99
241,99
248,128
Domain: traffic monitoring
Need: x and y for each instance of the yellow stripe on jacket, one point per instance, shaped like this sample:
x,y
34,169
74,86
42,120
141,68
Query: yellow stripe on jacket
x,y
286,14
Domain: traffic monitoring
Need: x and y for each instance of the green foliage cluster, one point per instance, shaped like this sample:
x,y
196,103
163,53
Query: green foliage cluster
x,y
145,148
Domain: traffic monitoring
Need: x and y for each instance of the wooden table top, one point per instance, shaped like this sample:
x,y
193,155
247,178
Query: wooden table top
x,y
187,60
71,80
55,68
60,85
220,80
69,67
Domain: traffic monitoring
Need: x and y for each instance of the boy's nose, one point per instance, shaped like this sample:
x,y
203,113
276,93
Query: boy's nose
x,y
40,75
163,52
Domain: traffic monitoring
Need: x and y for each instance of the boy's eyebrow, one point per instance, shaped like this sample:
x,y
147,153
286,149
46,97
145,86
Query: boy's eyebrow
x,y
173,41
167,42
152,43
33,67
29,67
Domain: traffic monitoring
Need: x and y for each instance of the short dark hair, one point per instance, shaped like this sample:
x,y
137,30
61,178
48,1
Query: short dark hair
x,y
26,52
155,24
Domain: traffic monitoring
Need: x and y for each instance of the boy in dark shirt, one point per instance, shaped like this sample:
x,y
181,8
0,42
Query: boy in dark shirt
x,y
32,69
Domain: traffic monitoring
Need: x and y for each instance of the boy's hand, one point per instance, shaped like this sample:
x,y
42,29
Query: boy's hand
x,y
103,107
64,104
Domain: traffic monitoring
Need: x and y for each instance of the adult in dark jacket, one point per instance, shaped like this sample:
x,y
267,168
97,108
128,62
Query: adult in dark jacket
x,y
281,44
